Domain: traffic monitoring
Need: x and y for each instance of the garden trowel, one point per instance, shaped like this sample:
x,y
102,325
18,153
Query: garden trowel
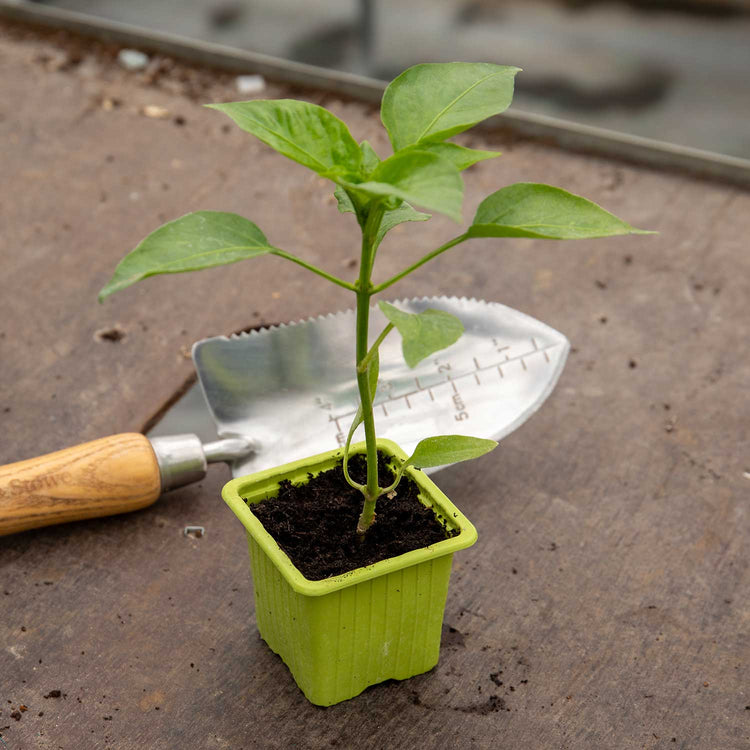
x,y
290,391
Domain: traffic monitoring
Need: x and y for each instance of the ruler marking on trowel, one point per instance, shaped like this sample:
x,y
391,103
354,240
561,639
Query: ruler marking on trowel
x,y
519,357
452,379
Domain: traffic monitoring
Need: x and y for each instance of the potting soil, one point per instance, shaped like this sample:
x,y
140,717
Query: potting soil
x,y
315,523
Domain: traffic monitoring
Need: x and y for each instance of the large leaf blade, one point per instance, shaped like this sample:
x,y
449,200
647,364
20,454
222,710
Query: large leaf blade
x,y
460,156
448,449
199,240
417,177
301,131
434,101
544,212
423,333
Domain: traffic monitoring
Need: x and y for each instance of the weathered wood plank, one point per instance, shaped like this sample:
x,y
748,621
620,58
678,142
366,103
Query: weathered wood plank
x,y
605,604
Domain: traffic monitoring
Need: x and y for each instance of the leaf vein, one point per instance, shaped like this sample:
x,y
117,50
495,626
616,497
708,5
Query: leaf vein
x,y
189,258
452,103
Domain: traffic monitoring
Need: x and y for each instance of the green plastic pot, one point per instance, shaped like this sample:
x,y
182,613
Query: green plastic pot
x,y
342,634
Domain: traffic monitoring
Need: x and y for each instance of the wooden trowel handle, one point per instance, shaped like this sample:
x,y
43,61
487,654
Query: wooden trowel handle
x,y
107,476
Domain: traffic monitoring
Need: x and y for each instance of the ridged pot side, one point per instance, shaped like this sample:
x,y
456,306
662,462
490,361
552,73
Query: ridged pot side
x,y
342,634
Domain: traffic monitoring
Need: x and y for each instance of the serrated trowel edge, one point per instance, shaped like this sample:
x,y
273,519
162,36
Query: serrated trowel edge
x,y
348,313
456,305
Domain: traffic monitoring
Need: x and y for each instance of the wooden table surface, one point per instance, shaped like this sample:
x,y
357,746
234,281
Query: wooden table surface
x,y
607,603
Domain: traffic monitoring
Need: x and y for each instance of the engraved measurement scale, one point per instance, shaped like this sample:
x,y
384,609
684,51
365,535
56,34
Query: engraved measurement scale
x,y
292,389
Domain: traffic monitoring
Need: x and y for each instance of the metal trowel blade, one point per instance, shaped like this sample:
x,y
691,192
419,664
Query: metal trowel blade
x,y
292,389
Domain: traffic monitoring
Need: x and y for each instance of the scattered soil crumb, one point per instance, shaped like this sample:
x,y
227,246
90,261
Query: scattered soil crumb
x,y
453,638
493,704
112,335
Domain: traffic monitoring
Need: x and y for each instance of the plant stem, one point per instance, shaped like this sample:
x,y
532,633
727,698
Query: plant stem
x,y
371,488
364,292
447,246
314,269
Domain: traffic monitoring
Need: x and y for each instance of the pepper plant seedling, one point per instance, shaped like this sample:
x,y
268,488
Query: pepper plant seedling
x,y
421,109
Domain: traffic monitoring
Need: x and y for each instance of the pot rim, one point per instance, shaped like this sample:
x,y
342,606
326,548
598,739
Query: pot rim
x,y
260,483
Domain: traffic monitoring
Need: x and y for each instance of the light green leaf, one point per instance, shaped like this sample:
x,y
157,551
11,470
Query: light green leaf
x,y
423,333
199,240
460,156
345,204
373,370
390,219
448,449
434,101
370,159
303,132
395,217
417,177
531,210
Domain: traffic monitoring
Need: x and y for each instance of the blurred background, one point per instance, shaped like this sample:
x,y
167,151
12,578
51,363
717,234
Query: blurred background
x,y
672,70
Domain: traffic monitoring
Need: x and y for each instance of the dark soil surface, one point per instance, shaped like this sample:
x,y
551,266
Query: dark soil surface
x,y
315,523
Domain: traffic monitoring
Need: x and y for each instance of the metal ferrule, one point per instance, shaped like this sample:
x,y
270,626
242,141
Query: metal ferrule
x,y
181,460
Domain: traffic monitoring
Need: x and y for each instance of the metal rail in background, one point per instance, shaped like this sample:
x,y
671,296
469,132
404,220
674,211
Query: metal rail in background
x,y
571,135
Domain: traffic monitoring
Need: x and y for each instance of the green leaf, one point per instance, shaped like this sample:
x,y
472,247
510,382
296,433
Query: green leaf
x,y
390,219
417,177
370,159
345,204
460,156
434,101
531,210
423,333
448,449
303,132
373,370
395,217
199,240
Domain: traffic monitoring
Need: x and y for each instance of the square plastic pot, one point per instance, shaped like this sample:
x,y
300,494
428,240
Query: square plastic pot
x,y
342,634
